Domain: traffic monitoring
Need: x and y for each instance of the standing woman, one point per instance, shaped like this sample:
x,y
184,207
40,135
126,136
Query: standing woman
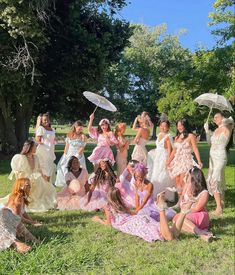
x,y
181,159
45,137
122,148
74,146
140,152
105,138
221,141
158,174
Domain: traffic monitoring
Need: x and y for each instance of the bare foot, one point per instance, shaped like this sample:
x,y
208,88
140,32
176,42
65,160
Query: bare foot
x,y
21,247
206,238
218,212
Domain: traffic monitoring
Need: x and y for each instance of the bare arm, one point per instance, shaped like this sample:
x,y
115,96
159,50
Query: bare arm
x,y
39,139
172,155
202,202
107,221
195,149
134,125
138,135
66,148
168,146
148,195
92,116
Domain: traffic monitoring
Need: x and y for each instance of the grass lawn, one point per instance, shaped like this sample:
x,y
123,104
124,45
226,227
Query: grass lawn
x,y
73,244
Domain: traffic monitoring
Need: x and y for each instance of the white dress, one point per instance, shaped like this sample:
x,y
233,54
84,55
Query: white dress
x,y
46,151
74,146
42,194
217,163
158,174
140,152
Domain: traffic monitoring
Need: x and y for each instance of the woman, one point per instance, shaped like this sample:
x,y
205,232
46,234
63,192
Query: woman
x,y
74,146
45,137
181,159
99,184
158,174
105,138
140,153
121,218
197,220
12,215
126,184
26,165
122,148
71,195
144,195
221,141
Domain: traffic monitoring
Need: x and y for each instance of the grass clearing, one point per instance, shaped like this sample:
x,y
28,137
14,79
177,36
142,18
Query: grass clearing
x,y
73,244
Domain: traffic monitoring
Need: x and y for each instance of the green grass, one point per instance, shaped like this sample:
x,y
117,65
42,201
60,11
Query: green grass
x,y
73,244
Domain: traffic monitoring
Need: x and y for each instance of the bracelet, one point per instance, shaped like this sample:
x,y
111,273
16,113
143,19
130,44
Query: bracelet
x,y
185,211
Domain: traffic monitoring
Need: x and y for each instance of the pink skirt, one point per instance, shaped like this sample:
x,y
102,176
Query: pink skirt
x,y
101,152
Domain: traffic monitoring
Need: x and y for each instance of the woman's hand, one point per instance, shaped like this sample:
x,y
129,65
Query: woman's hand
x,y
92,116
200,164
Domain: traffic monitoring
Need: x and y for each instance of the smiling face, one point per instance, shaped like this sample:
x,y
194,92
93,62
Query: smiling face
x,y
45,121
139,177
104,127
180,127
75,164
218,118
27,187
78,129
102,165
164,128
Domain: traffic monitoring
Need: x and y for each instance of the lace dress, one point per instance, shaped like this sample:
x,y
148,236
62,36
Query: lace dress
x,y
74,146
158,174
42,194
140,152
8,227
217,163
102,150
141,226
46,151
183,159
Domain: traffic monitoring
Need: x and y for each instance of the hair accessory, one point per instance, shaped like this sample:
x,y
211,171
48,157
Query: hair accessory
x,y
140,167
104,120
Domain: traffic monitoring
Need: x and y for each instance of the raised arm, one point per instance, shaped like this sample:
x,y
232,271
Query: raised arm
x,y
134,124
89,127
138,135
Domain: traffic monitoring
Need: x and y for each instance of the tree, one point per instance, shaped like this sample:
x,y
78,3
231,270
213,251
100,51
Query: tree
x,y
223,17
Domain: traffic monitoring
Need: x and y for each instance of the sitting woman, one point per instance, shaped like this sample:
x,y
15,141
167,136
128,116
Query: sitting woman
x,y
126,184
13,214
99,184
197,220
143,226
71,195
26,165
144,195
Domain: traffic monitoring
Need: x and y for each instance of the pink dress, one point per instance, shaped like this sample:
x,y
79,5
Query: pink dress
x,y
150,208
102,150
183,159
201,218
136,225
127,188
121,157
71,196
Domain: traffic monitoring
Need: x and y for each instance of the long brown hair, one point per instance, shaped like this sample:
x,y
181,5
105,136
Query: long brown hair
x,y
72,131
115,200
19,190
27,147
118,128
100,177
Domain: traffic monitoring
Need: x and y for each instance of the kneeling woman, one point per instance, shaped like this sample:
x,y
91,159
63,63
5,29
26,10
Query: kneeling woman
x,y
143,226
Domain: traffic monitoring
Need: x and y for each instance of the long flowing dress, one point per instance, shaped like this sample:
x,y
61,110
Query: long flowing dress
x,y
121,157
158,174
141,226
42,194
71,196
150,208
8,227
217,163
102,150
46,151
140,152
183,159
73,146
127,188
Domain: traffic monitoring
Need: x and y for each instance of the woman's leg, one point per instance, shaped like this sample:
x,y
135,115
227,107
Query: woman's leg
x,y
219,210
21,247
22,231
164,227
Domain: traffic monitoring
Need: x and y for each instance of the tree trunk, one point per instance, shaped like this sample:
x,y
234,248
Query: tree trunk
x,y
154,134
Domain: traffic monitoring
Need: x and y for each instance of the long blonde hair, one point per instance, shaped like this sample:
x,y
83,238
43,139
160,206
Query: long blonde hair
x,y
73,128
118,127
115,200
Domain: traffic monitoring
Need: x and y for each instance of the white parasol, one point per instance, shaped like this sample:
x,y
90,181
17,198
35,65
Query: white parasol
x,y
100,101
214,101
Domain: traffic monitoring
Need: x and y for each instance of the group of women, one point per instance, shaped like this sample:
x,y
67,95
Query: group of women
x,y
134,199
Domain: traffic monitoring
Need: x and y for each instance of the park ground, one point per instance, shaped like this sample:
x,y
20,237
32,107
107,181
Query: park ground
x,y
72,244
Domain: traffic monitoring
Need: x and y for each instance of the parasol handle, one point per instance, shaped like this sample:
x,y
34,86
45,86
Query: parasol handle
x,y
209,114
96,107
